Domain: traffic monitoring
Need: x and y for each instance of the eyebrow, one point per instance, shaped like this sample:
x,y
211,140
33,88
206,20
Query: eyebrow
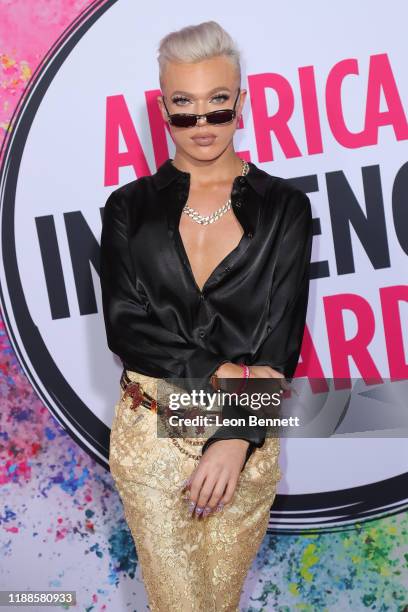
x,y
186,93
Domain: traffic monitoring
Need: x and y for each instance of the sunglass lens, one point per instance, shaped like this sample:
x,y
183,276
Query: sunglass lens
x,y
222,116
183,120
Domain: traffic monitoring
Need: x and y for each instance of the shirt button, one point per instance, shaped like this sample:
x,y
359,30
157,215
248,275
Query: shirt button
x,y
202,297
250,234
227,269
242,180
201,333
238,204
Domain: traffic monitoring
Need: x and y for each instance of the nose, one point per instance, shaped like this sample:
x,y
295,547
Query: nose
x,y
202,121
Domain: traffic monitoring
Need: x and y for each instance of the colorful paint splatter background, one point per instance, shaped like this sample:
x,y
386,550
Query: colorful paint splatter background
x,y
61,520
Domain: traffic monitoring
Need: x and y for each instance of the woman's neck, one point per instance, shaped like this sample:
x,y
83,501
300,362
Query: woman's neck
x,y
209,172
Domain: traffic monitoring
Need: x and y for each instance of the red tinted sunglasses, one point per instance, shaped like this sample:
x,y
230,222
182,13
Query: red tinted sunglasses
x,y
223,115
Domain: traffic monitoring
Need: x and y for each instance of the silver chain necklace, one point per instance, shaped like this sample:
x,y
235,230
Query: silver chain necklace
x,y
217,214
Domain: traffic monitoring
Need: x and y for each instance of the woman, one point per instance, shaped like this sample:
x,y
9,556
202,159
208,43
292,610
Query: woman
x,y
204,274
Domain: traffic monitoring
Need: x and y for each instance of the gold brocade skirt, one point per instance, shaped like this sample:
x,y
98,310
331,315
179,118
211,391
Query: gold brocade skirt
x,y
187,564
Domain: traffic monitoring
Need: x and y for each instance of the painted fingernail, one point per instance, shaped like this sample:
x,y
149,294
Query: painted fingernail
x,y
219,507
191,506
198,510
206,511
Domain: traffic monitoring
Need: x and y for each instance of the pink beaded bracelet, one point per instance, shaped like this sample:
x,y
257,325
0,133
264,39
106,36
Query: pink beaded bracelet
x,y
245,374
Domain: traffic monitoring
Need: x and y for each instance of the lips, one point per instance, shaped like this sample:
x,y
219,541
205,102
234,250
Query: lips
x,y
204,139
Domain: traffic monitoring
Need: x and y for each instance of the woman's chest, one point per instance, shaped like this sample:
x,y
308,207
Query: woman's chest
x,y
206,246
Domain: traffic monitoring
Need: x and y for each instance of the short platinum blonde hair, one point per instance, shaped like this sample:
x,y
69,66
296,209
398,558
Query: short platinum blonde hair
x,y
196,43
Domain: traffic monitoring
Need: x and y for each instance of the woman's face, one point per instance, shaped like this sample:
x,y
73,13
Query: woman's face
x,y
200,88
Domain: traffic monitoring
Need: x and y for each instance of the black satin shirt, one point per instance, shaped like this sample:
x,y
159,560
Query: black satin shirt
x,y
253,305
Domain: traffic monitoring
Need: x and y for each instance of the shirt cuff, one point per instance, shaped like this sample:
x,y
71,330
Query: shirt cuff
x,y
254,434
249,451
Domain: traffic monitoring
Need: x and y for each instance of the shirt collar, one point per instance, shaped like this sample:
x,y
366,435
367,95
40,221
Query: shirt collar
x,y
256,178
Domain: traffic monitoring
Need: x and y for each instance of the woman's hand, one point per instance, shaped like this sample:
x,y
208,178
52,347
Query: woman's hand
x,y
215,478
232,370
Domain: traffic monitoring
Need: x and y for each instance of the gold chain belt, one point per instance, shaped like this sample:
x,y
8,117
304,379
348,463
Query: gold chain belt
x,y
140,397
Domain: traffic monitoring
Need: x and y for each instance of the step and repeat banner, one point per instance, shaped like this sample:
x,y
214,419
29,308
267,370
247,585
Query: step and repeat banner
x,y
326,108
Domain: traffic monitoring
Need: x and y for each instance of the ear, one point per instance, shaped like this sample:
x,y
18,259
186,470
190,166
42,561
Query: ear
x,y
241,102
